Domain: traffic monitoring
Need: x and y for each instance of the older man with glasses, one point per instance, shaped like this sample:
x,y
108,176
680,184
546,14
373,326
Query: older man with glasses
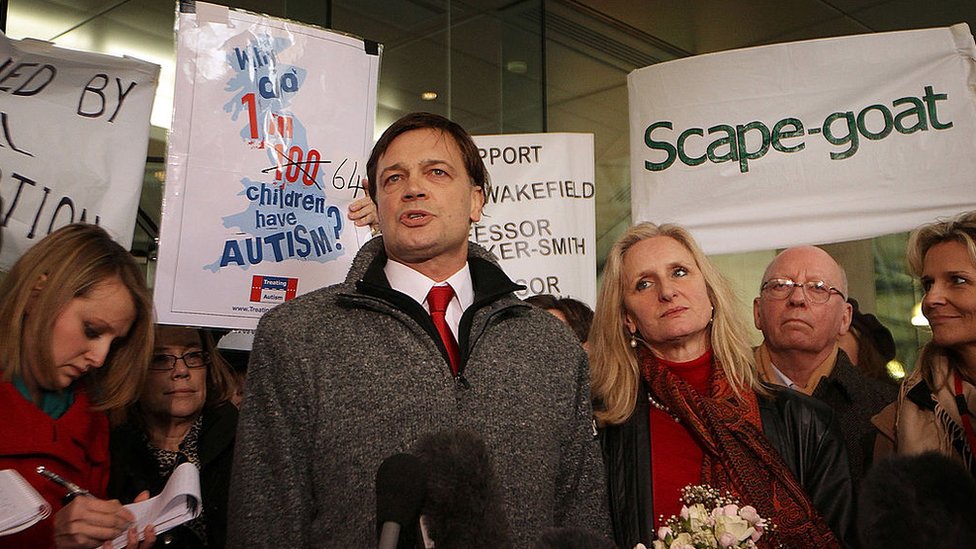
x,y
802,310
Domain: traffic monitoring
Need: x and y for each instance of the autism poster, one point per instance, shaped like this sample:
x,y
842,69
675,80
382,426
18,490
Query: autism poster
x,y
272,126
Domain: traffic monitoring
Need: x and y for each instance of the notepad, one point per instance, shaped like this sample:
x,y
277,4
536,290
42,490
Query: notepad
x,y
20,504
179,502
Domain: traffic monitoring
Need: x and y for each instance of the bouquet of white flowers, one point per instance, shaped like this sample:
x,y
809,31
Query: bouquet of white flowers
x,y
710,520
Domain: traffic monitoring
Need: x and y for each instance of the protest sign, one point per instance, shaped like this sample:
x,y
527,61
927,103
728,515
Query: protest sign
x,y
540,216
807,142
272,124
74,127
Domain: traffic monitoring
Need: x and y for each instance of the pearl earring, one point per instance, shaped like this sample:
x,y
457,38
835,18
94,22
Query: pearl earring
x,y
633,341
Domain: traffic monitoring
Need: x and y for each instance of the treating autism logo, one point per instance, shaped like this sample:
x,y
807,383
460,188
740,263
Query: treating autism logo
x,y
273,289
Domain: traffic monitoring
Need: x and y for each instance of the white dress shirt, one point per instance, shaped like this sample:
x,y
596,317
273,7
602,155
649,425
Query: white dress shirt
x,y
783,380
416,285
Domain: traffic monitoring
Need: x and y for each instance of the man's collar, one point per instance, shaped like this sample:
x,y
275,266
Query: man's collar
x,y
772,374
488,280
415,284
845,376
782,379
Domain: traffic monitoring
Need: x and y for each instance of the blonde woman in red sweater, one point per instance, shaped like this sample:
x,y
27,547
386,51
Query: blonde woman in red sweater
x,y
679,402
75,338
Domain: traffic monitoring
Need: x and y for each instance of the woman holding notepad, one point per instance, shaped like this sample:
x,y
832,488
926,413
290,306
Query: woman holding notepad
x,y
75,333
183,414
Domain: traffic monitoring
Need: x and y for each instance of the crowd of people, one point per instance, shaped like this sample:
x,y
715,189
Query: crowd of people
x,y
587,426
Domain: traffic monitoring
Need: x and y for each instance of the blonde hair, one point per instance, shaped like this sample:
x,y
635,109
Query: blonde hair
x,y
613,363
961,229
67,264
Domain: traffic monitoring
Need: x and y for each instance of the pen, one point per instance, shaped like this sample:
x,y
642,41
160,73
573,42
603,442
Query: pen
x,y
73,489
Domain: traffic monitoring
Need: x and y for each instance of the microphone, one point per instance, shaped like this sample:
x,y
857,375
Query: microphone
x,y
464,506
400,490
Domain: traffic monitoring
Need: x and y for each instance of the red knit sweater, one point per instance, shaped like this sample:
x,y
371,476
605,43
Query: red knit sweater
x,y
676,457
75,446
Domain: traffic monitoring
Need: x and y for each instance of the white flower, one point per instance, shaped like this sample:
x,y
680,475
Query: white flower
x,y
737,526
704,538
727,540
710,519
682,541
750,514
698,517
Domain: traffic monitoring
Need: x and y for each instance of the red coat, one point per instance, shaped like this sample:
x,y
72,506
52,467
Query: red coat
x,y
74,446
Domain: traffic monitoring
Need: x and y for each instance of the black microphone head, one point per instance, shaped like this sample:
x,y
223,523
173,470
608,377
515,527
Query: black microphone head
x,y
464,506
400,490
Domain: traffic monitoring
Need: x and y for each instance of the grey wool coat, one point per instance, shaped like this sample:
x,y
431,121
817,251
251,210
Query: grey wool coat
x,y
345,376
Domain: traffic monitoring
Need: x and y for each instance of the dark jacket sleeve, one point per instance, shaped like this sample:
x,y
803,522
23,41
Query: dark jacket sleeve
x,y
627,458
808,437
134,469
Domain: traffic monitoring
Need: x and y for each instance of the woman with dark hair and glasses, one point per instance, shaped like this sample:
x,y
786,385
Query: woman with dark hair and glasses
x,y
183,414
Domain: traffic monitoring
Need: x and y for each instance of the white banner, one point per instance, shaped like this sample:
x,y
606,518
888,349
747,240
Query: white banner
x,y
74,127
540,216
808,142
272,124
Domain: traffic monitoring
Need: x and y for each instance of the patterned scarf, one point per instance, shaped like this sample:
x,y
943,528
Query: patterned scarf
x,y
737,456
920,399
956,435
168,460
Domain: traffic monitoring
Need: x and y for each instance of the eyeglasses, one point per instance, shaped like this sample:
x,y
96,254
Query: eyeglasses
x,y
816,291
193,360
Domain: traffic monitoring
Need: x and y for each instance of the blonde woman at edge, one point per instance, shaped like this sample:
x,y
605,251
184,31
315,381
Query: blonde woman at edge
x,y
936,402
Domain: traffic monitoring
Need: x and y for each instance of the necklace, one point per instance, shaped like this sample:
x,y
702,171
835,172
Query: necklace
x,y
662,407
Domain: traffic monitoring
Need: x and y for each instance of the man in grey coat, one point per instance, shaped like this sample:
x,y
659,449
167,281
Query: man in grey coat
x,y
348,375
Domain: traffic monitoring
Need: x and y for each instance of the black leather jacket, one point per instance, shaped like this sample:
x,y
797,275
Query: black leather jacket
x,y
803,430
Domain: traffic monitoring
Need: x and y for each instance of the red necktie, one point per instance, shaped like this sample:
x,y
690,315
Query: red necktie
x,y
437,300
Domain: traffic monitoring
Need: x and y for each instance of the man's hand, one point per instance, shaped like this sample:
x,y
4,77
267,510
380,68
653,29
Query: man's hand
x,y
362,212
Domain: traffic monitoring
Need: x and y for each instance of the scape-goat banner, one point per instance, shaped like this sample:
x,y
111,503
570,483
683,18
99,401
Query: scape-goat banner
x,y
807,142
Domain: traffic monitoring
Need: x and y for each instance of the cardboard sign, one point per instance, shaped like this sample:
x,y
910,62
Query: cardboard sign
x,y
273,122
807,142
74,127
